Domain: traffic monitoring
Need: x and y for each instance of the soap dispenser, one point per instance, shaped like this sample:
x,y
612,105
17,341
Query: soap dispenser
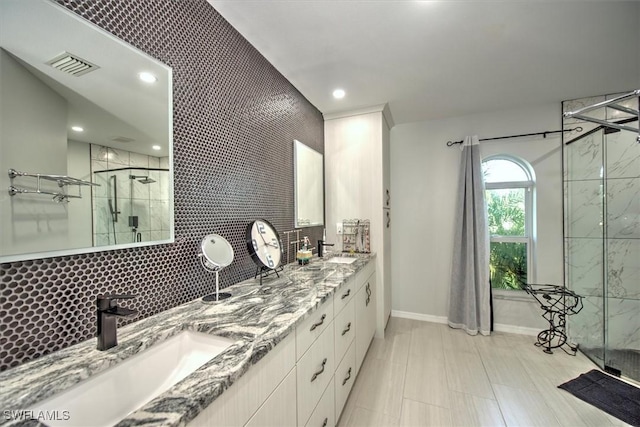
x,y
304,254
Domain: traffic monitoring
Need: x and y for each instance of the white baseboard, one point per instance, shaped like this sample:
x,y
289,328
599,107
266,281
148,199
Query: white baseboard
x,y
419,316
498,327
513,329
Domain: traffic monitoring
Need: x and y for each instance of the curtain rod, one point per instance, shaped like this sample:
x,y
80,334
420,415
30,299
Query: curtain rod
x,y
544,135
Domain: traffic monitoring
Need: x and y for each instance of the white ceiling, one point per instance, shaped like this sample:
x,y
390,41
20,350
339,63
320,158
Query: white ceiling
x,y
433,59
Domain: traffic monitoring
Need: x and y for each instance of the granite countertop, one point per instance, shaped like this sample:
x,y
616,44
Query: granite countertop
x,y
255,318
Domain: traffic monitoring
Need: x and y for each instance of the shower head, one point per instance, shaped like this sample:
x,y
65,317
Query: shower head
x,y
142,179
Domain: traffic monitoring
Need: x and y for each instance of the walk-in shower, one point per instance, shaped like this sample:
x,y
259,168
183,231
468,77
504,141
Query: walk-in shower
x,y
601,169
133,208
136,209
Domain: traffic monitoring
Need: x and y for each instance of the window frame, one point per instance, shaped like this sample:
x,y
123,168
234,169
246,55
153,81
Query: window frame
x,y
529,212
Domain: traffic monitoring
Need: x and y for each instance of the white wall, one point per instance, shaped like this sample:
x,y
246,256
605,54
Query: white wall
x,y
80,220
34,120
424,181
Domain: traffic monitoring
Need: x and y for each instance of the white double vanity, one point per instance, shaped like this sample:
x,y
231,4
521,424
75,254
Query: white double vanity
x,y
306,379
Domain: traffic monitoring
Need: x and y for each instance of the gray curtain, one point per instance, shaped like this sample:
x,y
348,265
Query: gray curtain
x,y
469,298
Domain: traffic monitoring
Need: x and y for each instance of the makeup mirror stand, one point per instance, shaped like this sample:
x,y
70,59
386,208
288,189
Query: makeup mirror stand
x,y
216,253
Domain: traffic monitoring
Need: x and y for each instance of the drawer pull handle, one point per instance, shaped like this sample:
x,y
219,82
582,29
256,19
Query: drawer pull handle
x,y
313,378
367,301
347,329
315,325
346,294
368,289
348,377
325,422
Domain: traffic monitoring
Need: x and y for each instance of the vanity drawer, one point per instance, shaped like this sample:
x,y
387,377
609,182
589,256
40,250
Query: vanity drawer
x,y
345,330
236,405
277,410
325,413
344,378
345,294
312,327
315,370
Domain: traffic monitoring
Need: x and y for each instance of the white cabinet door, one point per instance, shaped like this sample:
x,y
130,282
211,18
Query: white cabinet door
x,y
362,344
277,410
344,377
370,286
237,404
324,415
365,302
315,370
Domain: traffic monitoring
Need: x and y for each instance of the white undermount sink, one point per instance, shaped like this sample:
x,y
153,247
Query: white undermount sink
x,y
342,260
108,397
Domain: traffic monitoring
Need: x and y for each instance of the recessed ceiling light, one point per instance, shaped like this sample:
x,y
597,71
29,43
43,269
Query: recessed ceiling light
x,y
147,77
156,147
338,94
77,128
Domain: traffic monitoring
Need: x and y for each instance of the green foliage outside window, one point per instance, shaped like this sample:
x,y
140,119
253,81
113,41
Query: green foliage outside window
x,y
508,265
506,212
508,260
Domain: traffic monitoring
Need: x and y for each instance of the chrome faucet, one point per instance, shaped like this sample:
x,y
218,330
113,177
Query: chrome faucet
x,y
321,245
108,312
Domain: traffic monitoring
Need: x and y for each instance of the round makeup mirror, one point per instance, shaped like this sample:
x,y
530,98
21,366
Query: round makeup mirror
x,y
215,254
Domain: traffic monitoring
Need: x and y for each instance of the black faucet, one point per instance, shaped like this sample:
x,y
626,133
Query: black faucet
x,y
108,312
321,245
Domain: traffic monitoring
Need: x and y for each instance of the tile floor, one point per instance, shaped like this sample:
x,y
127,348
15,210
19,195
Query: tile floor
x,y
427,374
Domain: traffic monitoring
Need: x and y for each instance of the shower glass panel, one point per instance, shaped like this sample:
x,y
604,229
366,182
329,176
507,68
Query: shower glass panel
x,y
133,207
602,236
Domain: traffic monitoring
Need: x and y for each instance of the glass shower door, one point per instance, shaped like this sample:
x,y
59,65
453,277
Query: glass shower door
x,y
622,245
584,243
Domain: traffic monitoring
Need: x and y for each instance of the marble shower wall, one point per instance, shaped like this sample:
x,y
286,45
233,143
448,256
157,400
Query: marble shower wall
x,y
602,231
149,202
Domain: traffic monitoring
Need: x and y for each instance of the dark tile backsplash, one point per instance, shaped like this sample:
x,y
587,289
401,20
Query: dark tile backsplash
x,y
235,119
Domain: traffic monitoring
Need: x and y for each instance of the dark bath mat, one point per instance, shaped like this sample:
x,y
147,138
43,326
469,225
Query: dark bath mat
x,y
605,392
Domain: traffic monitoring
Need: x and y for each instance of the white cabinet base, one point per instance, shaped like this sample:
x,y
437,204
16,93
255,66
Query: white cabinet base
x,y
278,411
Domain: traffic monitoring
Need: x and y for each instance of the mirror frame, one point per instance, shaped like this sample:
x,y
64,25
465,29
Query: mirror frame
x,y
94,249
297,147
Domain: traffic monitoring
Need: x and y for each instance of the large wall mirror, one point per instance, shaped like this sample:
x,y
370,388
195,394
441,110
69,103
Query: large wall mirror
x,y
309,186
85,137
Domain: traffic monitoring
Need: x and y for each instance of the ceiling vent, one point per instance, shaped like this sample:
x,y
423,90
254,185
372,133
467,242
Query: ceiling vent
x,y
72,64
122,139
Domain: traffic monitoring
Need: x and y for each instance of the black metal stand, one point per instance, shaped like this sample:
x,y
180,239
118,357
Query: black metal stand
x,y
216,297
265,272
557,303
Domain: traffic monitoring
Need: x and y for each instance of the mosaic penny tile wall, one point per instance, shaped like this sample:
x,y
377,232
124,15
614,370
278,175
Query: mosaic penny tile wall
x,y
235,119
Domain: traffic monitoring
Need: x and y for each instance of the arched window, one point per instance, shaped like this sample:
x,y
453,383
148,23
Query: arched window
x,y
509,183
